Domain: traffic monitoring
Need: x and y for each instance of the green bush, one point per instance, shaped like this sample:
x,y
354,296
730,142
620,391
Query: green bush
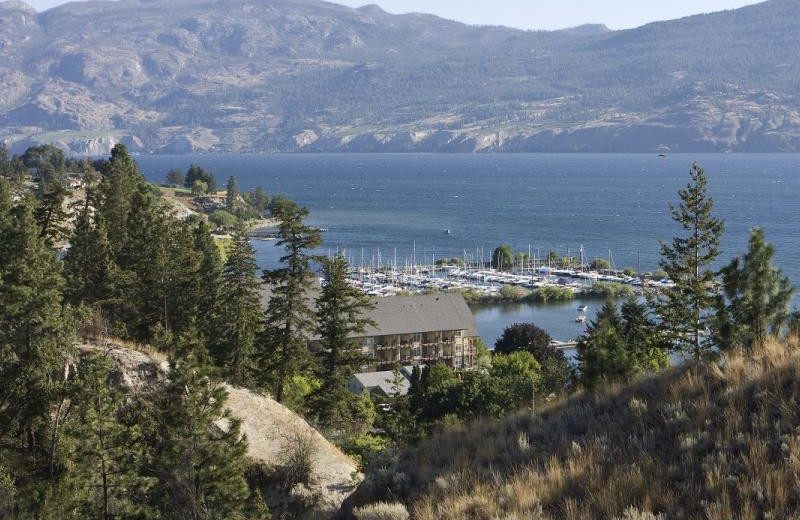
x,y
512,293
363,448
222,218
607,290
552,293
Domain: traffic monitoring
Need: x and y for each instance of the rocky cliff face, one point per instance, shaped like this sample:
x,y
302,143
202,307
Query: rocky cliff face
x,y
180,76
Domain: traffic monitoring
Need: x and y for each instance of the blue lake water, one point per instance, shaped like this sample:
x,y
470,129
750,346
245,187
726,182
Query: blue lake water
x,y
386,204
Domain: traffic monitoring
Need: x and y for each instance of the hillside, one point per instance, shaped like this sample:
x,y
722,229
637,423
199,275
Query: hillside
x,y
705,441
271,430
180,76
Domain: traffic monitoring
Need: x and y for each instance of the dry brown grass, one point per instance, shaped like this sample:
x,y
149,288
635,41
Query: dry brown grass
x,y
719,441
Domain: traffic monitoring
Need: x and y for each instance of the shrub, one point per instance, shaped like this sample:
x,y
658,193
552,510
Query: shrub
x,y
297,466
513,293
222,218
382,511
552,293
608,290
363,448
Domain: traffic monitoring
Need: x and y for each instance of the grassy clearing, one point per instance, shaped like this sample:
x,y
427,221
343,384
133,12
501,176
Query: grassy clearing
x,y
713,441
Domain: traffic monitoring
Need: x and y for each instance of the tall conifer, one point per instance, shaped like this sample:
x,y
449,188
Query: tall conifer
x,y
200,453
340,317
289,318
688,262
240,309
756,297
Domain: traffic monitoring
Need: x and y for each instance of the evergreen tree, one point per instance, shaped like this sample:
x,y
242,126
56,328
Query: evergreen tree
x,y
199,465
35,330
602,352
5,163
120,180
209,278
756,297
88,263
175,178
289,319
340,317
197,174
232,195
240,308
50,213
688,263
649,351
620,346
106,453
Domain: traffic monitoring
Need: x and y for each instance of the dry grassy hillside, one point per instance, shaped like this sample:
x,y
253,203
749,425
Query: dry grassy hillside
x,y
717,442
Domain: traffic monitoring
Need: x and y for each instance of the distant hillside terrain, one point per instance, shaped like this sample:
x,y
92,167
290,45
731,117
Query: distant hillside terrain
x,y
182,76
716,442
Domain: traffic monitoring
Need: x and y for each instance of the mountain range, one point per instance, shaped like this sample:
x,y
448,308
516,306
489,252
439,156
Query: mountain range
x,y
189,76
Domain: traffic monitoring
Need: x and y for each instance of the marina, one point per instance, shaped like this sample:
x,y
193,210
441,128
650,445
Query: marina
x,y
488,281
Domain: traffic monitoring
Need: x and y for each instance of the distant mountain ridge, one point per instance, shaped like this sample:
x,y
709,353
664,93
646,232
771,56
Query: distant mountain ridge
x,y
181,76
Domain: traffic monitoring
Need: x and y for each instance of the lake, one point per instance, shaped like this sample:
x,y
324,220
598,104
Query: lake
x,y
614,205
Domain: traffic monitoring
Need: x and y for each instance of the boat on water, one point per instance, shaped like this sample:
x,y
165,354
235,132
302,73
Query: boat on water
x,y
580,319
447,232
583,308
662,155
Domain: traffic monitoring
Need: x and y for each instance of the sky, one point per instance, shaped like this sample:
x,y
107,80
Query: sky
x,y
539,14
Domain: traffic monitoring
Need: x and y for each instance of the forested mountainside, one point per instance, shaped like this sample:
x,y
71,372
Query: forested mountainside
x,y
179,76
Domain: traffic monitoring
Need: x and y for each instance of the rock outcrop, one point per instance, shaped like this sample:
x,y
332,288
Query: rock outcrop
x,y
270,427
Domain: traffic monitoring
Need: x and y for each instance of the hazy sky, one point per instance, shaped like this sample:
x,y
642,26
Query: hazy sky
x,y
540,14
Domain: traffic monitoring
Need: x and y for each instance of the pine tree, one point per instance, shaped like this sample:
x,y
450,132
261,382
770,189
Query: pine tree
x,y
340,318
240,310
232,195
88,263
756,297
105,477
36,332
289,319
209,279
120,181
688,263
200,452
602,352
50,213
648,349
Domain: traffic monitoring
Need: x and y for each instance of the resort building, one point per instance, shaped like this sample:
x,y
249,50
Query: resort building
x,y
420,329
416,330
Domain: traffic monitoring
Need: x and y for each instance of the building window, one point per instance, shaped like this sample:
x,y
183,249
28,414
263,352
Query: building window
x,y
418,337
416,352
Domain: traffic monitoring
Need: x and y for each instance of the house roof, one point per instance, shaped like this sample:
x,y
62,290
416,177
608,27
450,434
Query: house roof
x,y
411,314
383,381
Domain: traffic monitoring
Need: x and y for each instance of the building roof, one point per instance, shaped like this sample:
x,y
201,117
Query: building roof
x,y
383,381
421,313
411,314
